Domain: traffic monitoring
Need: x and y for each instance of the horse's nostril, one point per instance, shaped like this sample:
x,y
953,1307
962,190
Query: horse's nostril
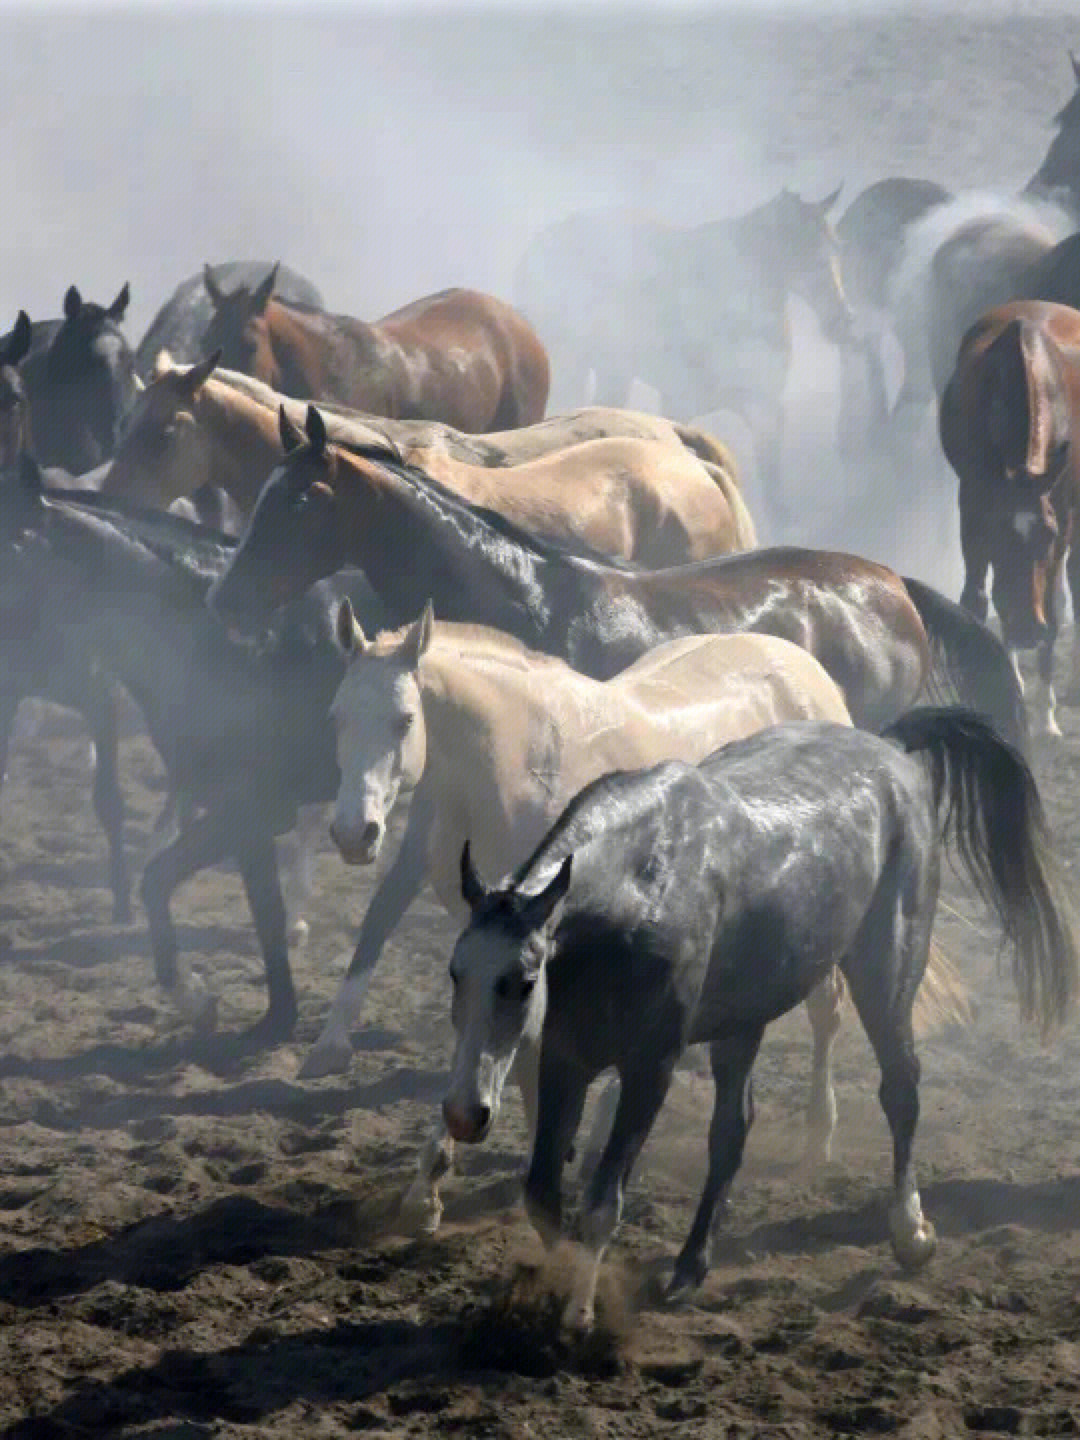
x,y
371,832
483,1117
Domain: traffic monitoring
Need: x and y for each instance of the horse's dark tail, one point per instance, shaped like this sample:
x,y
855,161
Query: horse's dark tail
x,y
992,813
971,666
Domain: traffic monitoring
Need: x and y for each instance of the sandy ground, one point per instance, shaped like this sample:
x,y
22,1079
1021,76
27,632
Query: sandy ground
x,y
191,1248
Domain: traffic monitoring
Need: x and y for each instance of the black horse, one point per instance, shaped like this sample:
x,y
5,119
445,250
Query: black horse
x,y
682,905
79,380
245,735
182,321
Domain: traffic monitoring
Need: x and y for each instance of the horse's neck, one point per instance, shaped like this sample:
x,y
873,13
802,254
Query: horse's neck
x,y
246,442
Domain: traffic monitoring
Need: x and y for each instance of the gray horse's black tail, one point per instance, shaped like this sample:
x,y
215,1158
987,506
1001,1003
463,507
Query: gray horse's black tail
x,y
990,808
971,665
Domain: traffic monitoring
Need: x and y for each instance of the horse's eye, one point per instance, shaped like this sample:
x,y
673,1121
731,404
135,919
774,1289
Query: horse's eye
x,y
404,724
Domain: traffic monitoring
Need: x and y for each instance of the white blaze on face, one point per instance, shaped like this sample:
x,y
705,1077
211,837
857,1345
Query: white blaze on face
x,y
500,998
381,749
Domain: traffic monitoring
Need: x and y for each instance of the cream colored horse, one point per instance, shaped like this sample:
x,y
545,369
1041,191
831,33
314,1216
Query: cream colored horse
x,y
647,501
496,739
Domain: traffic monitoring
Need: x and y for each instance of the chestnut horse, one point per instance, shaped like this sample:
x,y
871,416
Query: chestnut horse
x,y
1010,428
642,500
458,356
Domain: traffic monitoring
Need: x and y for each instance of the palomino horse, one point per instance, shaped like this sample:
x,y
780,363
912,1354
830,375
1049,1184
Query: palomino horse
x,y
700,313
873,631
494,739
657,914
180,324
637,500
459,356
1010,428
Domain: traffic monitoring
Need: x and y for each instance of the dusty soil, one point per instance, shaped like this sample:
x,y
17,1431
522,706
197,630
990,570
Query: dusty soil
x,y
195,1247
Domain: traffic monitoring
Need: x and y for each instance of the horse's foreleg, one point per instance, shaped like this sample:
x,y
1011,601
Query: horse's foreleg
x,y
99,709
976,555
207,841
332,1051
1072,572
297,861
257,858
642,1092
561,1099
825,1008
1043,700
732,1060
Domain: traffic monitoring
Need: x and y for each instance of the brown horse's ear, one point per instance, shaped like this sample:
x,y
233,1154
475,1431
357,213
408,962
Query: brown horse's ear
x,y
116,310
538,910
72,303
19,344
830,200
473,889
213,289
292,437
347,628
196,376
315,426
418,637
261,296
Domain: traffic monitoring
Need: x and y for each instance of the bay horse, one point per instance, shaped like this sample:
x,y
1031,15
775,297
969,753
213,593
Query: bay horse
x,y
1010,428
244,735
655,915
493,739
458,356
178,327
698,312
880,637
640,500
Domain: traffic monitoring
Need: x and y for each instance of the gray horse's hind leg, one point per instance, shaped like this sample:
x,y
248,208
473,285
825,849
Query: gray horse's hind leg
x,y
732,1061
884,974
825,1008
99,710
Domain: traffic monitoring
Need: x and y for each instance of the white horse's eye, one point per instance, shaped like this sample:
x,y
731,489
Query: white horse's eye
x,y
404,723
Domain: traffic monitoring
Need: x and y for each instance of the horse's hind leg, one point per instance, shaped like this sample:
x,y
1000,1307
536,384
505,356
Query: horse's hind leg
x,y
100,712
884,971
732,1061
258,868
825,1008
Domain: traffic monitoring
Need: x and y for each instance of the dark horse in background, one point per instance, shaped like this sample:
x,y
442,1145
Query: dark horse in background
x,y
1010,428
700,313
461,357
79,381
685,905
180,324
874,233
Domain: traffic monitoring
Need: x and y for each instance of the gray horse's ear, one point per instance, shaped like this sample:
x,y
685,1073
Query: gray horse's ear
x,y
119,305
1075,65
265,289
830,200
315,426
196,376
213,289
19,344
292,437
538,910
418,637
72,302
473,889
350,635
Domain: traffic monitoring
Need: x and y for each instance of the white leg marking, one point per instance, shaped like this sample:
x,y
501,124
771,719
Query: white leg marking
x,y
1043,708
421,1207
913,1237
332,1051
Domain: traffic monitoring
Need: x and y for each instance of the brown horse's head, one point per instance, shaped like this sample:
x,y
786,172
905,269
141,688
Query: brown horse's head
x,y
238,328
294,537
800,247
14,419
163,452
1025,553
1058,177
1025,404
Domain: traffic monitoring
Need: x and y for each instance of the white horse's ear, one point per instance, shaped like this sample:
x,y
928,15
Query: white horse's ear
x,y
418,637
350,636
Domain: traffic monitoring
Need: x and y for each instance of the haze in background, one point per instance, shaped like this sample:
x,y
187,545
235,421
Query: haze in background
x,y
386,155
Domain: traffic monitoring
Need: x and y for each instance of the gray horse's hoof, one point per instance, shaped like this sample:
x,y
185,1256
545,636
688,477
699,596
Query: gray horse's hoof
x,y
421,1211
328,1059
914,1248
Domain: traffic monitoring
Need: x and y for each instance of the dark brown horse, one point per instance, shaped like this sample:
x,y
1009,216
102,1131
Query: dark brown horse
x,y
461,357
14,415
881,638
1010,428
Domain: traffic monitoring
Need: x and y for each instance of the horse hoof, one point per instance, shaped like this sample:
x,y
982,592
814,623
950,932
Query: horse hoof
x,y
688,1275
915,1248
421,1212
327,1059
299,931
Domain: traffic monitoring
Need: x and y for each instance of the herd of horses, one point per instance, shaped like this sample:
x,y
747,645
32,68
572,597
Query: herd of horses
x,y
706,781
